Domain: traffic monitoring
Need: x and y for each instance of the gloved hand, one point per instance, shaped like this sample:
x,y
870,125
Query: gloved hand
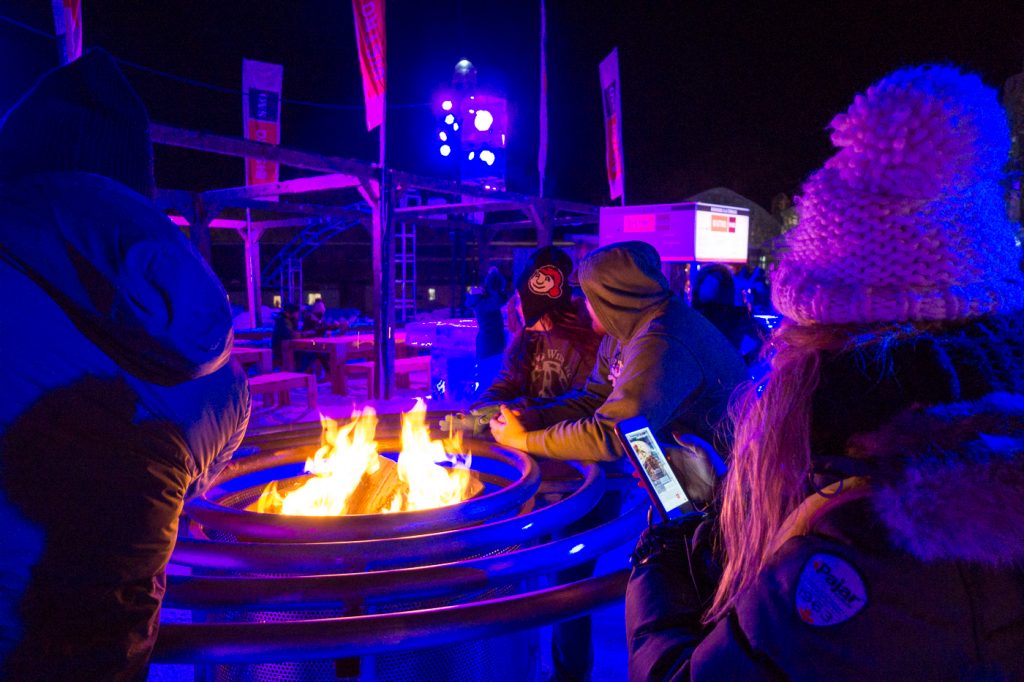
x,y
474,422
686,545
673,581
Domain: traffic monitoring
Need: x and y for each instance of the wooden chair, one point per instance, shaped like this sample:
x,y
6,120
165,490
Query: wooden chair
x,y
280,383
403,368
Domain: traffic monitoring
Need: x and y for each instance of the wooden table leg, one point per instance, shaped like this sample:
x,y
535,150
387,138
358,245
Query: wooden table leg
x,y
339,383
311,396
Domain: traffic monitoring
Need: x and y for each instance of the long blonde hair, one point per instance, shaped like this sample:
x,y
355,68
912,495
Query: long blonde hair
x,y
771,455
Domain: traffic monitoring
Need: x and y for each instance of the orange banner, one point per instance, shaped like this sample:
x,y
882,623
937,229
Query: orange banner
x,y
67,19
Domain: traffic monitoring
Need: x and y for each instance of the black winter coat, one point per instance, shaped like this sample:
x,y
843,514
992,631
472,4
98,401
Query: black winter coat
x,y
118,403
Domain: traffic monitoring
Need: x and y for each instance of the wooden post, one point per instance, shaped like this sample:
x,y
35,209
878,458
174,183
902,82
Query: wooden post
x,y
251,237
483,249
384,275
384,291
542,216
199,228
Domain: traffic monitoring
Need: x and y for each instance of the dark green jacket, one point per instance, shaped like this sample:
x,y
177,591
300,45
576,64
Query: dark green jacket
x,y
660,359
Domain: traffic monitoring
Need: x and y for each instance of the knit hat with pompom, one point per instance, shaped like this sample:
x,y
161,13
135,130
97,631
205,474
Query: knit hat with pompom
x,y
908,221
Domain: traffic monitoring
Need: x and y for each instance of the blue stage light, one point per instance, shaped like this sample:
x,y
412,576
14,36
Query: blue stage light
x,y
446,105
445,150
487,156
450,119
443,135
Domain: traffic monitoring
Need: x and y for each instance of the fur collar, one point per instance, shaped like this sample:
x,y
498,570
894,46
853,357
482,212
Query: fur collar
x,y
959,493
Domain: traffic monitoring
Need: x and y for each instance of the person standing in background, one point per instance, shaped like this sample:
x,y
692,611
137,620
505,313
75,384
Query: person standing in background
x,y
487,303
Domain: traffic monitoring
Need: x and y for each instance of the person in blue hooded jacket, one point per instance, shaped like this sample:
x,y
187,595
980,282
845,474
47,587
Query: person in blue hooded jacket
x,y
119,401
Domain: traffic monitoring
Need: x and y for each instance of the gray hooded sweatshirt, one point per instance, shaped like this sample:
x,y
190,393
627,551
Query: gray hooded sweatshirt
x,y
660,359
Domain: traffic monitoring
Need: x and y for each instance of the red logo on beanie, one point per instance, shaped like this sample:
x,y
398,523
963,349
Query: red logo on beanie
x,y
546,281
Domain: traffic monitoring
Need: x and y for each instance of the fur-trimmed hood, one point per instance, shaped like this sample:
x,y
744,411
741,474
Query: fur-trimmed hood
x,y
958,489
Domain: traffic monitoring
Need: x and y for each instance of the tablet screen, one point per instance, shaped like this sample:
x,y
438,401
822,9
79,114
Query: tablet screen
x,y
656,469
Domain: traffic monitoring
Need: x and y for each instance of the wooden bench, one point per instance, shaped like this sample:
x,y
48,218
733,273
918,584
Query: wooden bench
x,y
281,383
403,368
261,357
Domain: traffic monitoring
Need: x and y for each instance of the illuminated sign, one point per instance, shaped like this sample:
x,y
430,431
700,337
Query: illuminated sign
x,y
692,231
721,234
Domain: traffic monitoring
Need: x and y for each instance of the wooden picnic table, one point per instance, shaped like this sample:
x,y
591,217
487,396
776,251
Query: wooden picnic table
x,y
247,355
254,334
339,349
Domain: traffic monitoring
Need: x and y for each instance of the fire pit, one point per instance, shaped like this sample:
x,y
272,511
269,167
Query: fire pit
x,y
498,481
449,591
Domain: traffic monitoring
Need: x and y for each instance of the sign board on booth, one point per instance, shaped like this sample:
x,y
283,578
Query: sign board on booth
x,y
692,231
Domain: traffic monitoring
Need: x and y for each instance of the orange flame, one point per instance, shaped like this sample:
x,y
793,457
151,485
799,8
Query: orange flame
x,y
350,477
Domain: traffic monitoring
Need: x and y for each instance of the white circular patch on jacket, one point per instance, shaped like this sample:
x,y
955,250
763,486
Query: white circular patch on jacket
x,y
830,591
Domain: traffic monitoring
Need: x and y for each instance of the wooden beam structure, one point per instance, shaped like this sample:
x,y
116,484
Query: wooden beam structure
x,y
232,224
324,210
199,210
236,146
316,183
464,207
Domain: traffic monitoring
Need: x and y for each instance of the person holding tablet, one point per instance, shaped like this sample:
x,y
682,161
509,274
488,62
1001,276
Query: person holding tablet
x,y
871,516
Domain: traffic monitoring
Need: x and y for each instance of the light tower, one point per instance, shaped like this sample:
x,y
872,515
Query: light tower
x,y
472,129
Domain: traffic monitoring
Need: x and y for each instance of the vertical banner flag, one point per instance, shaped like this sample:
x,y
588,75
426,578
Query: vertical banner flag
x,y
542,153
369,16
261,112
67,19
612,102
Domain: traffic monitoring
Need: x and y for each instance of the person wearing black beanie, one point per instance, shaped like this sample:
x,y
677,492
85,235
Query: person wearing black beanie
x,y
556,351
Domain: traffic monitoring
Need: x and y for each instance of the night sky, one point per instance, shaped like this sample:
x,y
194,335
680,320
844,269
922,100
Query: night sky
x,y
714,93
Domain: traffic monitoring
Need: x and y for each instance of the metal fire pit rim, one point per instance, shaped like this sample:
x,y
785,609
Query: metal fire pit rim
x,y
344,556
278,528
213,593
373,634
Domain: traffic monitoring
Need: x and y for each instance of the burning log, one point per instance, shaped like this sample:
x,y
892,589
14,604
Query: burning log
x,y
348,476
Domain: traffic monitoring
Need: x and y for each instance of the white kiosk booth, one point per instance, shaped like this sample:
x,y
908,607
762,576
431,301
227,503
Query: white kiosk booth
x,y
682,233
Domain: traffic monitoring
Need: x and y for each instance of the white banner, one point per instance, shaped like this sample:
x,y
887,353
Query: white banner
x,y
612,103
261,114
